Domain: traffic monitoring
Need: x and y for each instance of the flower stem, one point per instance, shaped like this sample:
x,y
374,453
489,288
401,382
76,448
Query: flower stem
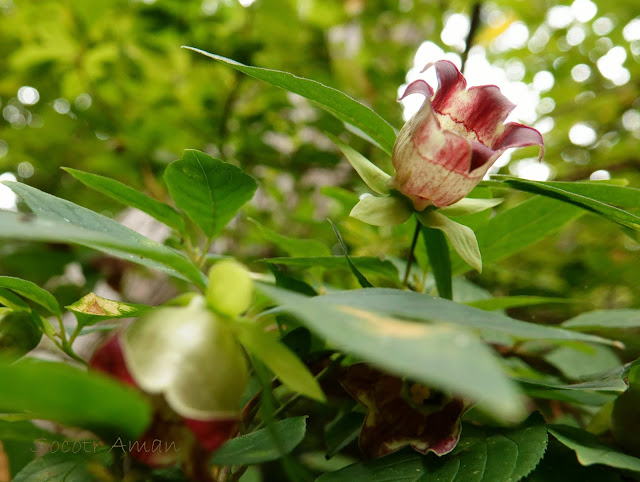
x,y
414,241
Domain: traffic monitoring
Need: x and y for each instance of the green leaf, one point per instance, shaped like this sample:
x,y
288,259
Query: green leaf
x,y
25,431
469,205
62,466
364,282
292,246
616,324
259,446
513,230
505,302
61,393
31,291
61,221
333,101
91,309
368,264
372,175
341,431
440,356
438,252
10,300
281,361
461,237
577,362
208,190
590,451
617,215
382,211
482,455
131,197
422,307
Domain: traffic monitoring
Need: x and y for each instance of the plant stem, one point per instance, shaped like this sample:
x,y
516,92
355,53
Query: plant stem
x,y
414,241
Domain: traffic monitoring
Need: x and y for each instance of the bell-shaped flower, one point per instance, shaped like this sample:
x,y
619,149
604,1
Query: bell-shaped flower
x,y
440,155
448,146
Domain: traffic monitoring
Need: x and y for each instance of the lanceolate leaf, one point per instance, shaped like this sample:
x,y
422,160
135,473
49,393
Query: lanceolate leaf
x,y
31,291
333,101
418,306
367,264
259,446
280,360
92,308
438,355
438,252
505,302
364,282
209,190
617,215
75,224
372,175
131,197
292,246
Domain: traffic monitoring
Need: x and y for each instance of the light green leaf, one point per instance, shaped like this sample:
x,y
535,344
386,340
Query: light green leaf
x,y
260,446
461,237
616,324
61,393
382,211
422,307
208,190
61,221
281,361
372,175
505,302
577,362
438,355
333,101
470,206
92,309
292,246
131,197
517,228
482,455
31,291
590,451
13,301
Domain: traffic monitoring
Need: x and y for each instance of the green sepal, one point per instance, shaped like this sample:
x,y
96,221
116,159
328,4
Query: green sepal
x,y
372,175
461,237
382,211
470,206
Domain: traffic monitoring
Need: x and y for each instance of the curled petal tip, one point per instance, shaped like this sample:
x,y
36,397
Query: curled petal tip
x,y
418,87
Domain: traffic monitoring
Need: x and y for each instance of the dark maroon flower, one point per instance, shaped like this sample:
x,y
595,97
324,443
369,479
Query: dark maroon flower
x,y
400,413
447,147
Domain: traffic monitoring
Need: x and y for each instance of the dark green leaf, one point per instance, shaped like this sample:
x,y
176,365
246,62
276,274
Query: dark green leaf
x,y
590,451
63,466
59,392
259,446
341,431
209,190
131,197
333,101
505,302
292,246
438,252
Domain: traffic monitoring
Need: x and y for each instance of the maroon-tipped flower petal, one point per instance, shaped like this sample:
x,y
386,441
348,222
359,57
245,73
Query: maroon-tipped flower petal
x,y
401,414
212,433
447,147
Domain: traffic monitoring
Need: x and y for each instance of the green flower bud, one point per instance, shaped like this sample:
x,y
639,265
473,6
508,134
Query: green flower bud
x,y
230,289
19,333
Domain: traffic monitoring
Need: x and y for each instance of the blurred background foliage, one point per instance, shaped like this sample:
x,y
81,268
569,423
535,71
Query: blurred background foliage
x,y
104,86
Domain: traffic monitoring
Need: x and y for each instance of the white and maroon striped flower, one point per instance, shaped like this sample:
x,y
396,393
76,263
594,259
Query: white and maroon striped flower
x,y
447,147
